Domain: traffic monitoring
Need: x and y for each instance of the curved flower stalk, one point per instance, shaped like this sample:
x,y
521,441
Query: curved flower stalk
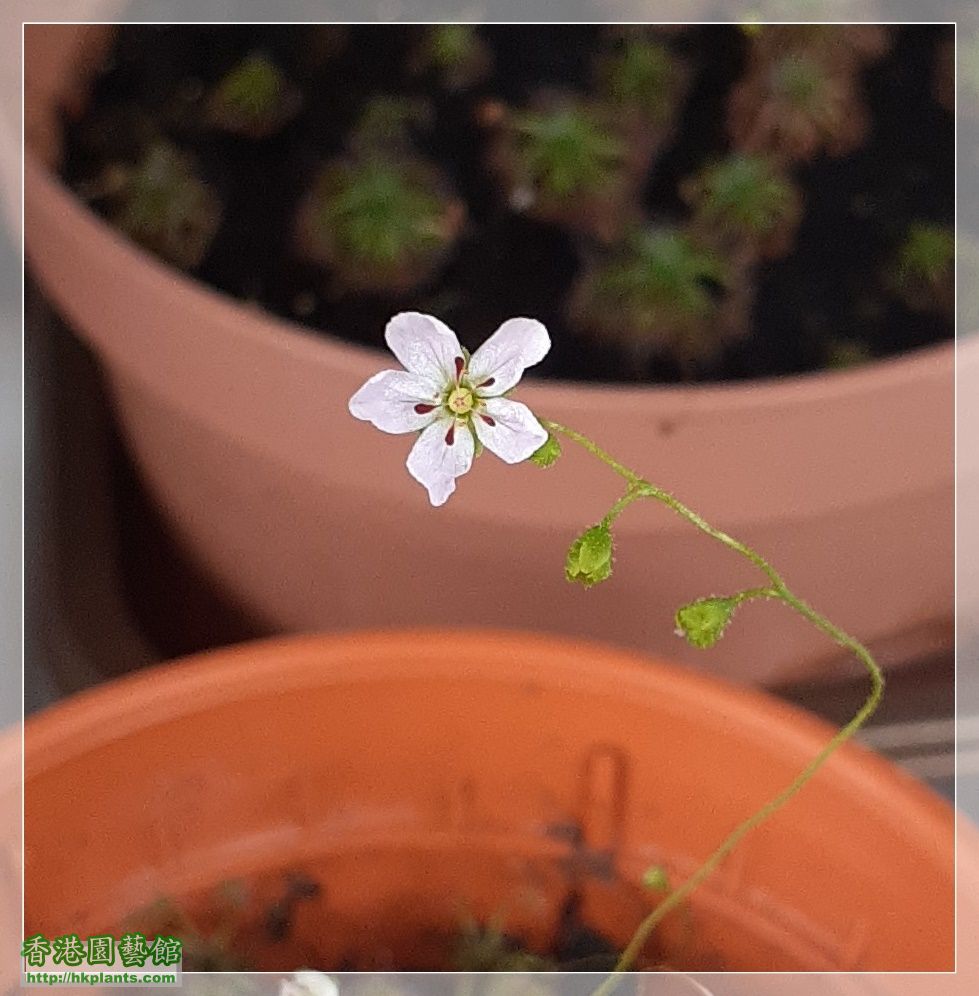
x,y
389,400
702,623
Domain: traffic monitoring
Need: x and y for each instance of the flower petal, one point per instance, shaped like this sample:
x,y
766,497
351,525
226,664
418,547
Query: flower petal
x,y
395,401
509,429
500,362
308,983
424,346
435,462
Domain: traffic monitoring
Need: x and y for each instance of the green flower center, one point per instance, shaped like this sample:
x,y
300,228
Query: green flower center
x,y
460,401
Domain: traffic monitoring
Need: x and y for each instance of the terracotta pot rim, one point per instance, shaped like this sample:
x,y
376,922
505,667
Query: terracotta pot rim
x,y
197,683
758,393
541,682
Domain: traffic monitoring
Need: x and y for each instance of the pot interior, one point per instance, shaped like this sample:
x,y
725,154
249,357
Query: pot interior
x,y
420,778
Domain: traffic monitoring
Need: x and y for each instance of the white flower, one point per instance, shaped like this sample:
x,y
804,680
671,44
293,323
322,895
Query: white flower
x,y
308,984
454,401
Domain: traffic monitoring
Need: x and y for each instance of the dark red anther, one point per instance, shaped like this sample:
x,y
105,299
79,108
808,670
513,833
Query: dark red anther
x,y
460,366
424,409
450,436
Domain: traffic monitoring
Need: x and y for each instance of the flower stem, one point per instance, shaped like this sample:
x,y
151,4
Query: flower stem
x,y
639,487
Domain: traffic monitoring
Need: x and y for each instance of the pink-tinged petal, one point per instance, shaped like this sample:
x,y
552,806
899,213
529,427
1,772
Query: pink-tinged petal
x,y
425,347
443,452
500,362
395,401
509,429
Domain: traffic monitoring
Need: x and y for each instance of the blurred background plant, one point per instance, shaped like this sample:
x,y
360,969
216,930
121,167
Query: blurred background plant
x,y
382,218
641,74
743,203
254,99
656,291
802,93
162,203
455,53
641,78
711,181
564,160
924,272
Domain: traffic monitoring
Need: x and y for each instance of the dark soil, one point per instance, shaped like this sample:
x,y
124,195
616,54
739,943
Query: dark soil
x,y
828,288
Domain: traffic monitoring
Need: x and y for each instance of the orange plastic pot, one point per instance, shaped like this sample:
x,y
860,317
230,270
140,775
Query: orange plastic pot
x,y
423,776
230,411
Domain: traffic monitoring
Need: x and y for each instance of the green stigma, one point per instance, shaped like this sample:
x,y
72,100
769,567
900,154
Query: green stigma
x,y
460,401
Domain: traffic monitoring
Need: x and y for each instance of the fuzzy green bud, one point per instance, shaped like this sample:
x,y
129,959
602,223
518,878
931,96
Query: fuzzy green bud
x,y
590,556
703,622
655,878
548,454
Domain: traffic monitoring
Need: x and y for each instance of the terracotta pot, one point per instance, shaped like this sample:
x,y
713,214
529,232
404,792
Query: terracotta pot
x,y
238,423
446,773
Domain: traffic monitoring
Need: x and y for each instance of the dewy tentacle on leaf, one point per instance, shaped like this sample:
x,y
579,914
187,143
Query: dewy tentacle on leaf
x,y
638,487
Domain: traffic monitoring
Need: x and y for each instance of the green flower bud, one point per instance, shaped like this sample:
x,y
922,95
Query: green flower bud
x,y
655,878
590,556
548,454
703,622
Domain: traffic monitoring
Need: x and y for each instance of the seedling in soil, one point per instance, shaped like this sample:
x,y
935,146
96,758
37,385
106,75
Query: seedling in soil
x,y
380,225
802,92
488,948
924,273
455,53
565,161
744,202
642,75
206,948
644,83
163,204
845,51
796,107
254,99
567,152
216,940
573,945
657,293
382,218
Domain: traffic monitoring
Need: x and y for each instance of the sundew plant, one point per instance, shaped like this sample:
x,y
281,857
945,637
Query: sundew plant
x,y
458,404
